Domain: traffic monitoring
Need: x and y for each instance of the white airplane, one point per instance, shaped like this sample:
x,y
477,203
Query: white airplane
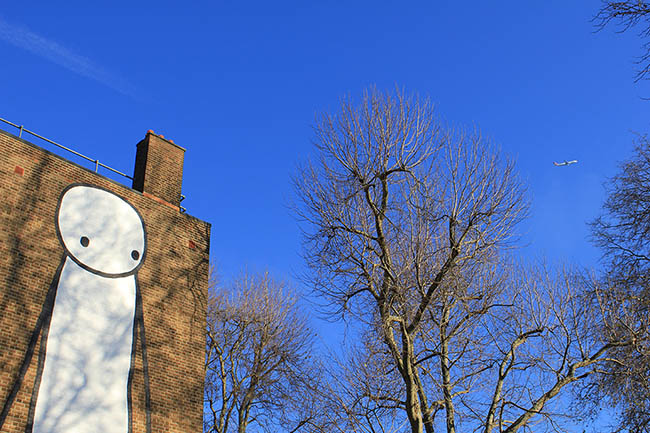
x,y
560,164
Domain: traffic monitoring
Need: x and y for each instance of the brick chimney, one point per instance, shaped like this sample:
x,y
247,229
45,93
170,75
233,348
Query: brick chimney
x,y
159,169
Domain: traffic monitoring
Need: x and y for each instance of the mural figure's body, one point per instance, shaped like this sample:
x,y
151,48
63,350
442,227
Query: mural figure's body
x,y
84,380
86,357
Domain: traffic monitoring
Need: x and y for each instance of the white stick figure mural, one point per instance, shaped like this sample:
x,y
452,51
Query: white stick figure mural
x,y
91,321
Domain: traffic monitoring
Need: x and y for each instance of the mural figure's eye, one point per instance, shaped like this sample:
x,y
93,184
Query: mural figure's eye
x,y
135,254
84,241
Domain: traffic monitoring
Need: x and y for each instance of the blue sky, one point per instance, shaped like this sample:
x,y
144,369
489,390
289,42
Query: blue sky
x,y
238,85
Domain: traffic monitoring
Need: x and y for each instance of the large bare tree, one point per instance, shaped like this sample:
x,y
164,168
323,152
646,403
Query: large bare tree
x,y
407,225
258,364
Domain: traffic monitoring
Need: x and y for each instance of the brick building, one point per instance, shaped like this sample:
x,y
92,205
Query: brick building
x,y
102,295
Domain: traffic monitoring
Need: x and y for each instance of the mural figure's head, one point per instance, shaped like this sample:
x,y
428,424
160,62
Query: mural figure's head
x,y
101,232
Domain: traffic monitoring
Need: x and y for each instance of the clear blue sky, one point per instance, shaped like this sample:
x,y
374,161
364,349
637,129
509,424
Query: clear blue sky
x,y
238,84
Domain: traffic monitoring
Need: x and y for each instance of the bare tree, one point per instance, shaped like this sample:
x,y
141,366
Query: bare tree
x,y
622,232
628,14
363,393
406,224
623,228
258,366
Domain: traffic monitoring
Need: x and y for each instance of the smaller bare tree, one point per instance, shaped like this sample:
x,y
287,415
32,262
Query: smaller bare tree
x,y
258,366
363,393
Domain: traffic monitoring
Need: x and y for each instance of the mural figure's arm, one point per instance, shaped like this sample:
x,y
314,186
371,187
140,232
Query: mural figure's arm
x,y
145,362
138,328
42,327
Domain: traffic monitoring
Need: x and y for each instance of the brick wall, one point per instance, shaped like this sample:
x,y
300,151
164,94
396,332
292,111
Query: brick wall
x,y
173,282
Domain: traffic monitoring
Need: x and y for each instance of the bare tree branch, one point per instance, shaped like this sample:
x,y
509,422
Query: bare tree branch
x,y
628,14
258,367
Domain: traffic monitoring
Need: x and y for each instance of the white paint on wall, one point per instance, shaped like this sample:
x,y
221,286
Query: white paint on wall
x,y
84,382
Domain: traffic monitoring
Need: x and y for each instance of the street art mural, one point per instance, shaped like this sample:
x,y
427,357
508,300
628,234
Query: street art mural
x,y
91,320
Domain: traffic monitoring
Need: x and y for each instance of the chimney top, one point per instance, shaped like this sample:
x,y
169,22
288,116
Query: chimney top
x,y
163,137
158,168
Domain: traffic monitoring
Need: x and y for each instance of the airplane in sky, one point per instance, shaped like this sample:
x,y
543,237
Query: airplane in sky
x,y
560,164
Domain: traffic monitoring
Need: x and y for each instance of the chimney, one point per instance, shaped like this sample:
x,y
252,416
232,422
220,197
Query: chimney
x,y
159,168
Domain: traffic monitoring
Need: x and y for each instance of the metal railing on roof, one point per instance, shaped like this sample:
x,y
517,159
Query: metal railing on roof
x,y
98,164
